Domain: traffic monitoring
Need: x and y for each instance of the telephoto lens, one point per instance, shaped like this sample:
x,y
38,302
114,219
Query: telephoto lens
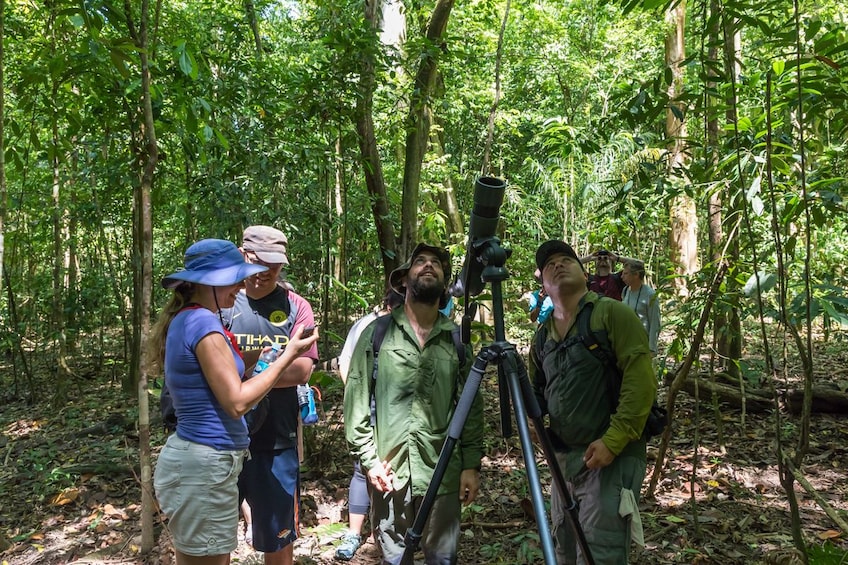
x,y
485,215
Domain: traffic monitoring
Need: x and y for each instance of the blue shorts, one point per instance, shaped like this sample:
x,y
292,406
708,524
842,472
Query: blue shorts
x,y
270,482
196,488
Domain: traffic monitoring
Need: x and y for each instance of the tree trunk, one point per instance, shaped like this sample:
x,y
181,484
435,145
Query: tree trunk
x,y
715,210
253,20
3,196
58,326
418,123
71,261
729,343
339,197
370,154
147,159
705,390
485,167
683,215
447,197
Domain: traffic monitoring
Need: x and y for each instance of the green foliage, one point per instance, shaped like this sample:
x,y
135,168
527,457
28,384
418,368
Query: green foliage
x,y
529,550
266,134
827,554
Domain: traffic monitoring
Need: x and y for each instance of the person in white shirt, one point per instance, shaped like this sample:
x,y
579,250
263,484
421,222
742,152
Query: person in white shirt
x,y
643,299
358,500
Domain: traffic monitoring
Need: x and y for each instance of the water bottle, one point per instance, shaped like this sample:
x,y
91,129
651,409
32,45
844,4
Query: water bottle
x,y
306,401
266,359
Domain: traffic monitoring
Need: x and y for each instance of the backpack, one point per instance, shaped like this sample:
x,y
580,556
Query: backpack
x,y
381,326
657,417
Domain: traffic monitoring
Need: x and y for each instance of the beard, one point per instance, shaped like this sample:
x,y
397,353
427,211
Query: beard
x,y
426,291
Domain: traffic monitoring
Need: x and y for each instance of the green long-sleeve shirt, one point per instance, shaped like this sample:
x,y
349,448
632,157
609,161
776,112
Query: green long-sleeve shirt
x,y
415,392
572,387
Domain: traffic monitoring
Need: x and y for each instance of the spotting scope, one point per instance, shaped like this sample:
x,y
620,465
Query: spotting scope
x,y
488,197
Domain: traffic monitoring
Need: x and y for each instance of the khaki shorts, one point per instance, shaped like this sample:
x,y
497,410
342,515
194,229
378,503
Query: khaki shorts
x,y
197,488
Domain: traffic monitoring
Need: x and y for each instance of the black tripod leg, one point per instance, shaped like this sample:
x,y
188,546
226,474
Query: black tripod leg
x,y
460,415
568,502
536,496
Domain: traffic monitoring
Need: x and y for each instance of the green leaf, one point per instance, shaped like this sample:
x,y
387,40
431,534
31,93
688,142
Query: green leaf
x,y
221,139
813,28
767,282
118,58
778,67
187,65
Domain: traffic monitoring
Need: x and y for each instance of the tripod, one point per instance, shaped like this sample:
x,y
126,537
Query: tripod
x,y
513,373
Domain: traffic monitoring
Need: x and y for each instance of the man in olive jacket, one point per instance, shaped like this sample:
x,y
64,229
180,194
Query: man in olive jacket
x,y
418,382
600,447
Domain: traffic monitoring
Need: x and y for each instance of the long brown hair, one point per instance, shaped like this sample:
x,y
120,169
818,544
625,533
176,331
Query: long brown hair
x,y
154,355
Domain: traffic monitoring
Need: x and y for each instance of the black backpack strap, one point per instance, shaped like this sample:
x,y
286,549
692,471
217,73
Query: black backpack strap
x,y
602,353
456,334
539,343
380,328
286,301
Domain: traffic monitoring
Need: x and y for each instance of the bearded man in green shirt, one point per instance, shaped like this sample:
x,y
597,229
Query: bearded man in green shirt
x,y
600,445
418,382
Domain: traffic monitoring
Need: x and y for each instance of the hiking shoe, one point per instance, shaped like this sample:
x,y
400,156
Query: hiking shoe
x,y
347,549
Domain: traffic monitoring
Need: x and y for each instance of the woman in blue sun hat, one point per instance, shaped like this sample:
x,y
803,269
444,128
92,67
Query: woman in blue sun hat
x,y
197,471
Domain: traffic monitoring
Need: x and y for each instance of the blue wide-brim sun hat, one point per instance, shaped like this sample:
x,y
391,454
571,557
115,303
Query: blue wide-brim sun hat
x,y
213,262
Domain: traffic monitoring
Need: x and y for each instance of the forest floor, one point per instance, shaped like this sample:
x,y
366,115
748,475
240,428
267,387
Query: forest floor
x,y
69,486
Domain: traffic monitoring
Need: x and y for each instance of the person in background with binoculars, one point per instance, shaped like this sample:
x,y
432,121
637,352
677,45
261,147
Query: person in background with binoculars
x,y
605,282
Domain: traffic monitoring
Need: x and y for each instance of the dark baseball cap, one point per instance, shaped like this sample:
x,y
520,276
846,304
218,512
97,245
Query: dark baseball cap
x,y
553,247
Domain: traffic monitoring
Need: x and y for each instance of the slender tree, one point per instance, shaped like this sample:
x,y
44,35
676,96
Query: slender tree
x,y
419,121
369,149
147,158
684,218
3,198
486,166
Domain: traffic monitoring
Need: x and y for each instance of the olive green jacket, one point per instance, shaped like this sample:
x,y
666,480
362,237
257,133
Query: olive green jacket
x,y
416,391
571,383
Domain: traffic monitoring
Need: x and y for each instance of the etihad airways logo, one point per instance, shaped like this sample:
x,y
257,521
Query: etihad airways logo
x,y
251,341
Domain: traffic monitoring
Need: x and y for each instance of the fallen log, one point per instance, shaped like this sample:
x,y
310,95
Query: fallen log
x,y
755,400
825,400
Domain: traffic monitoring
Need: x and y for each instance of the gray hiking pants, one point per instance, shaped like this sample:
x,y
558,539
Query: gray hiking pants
x,y
599,495
392,514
